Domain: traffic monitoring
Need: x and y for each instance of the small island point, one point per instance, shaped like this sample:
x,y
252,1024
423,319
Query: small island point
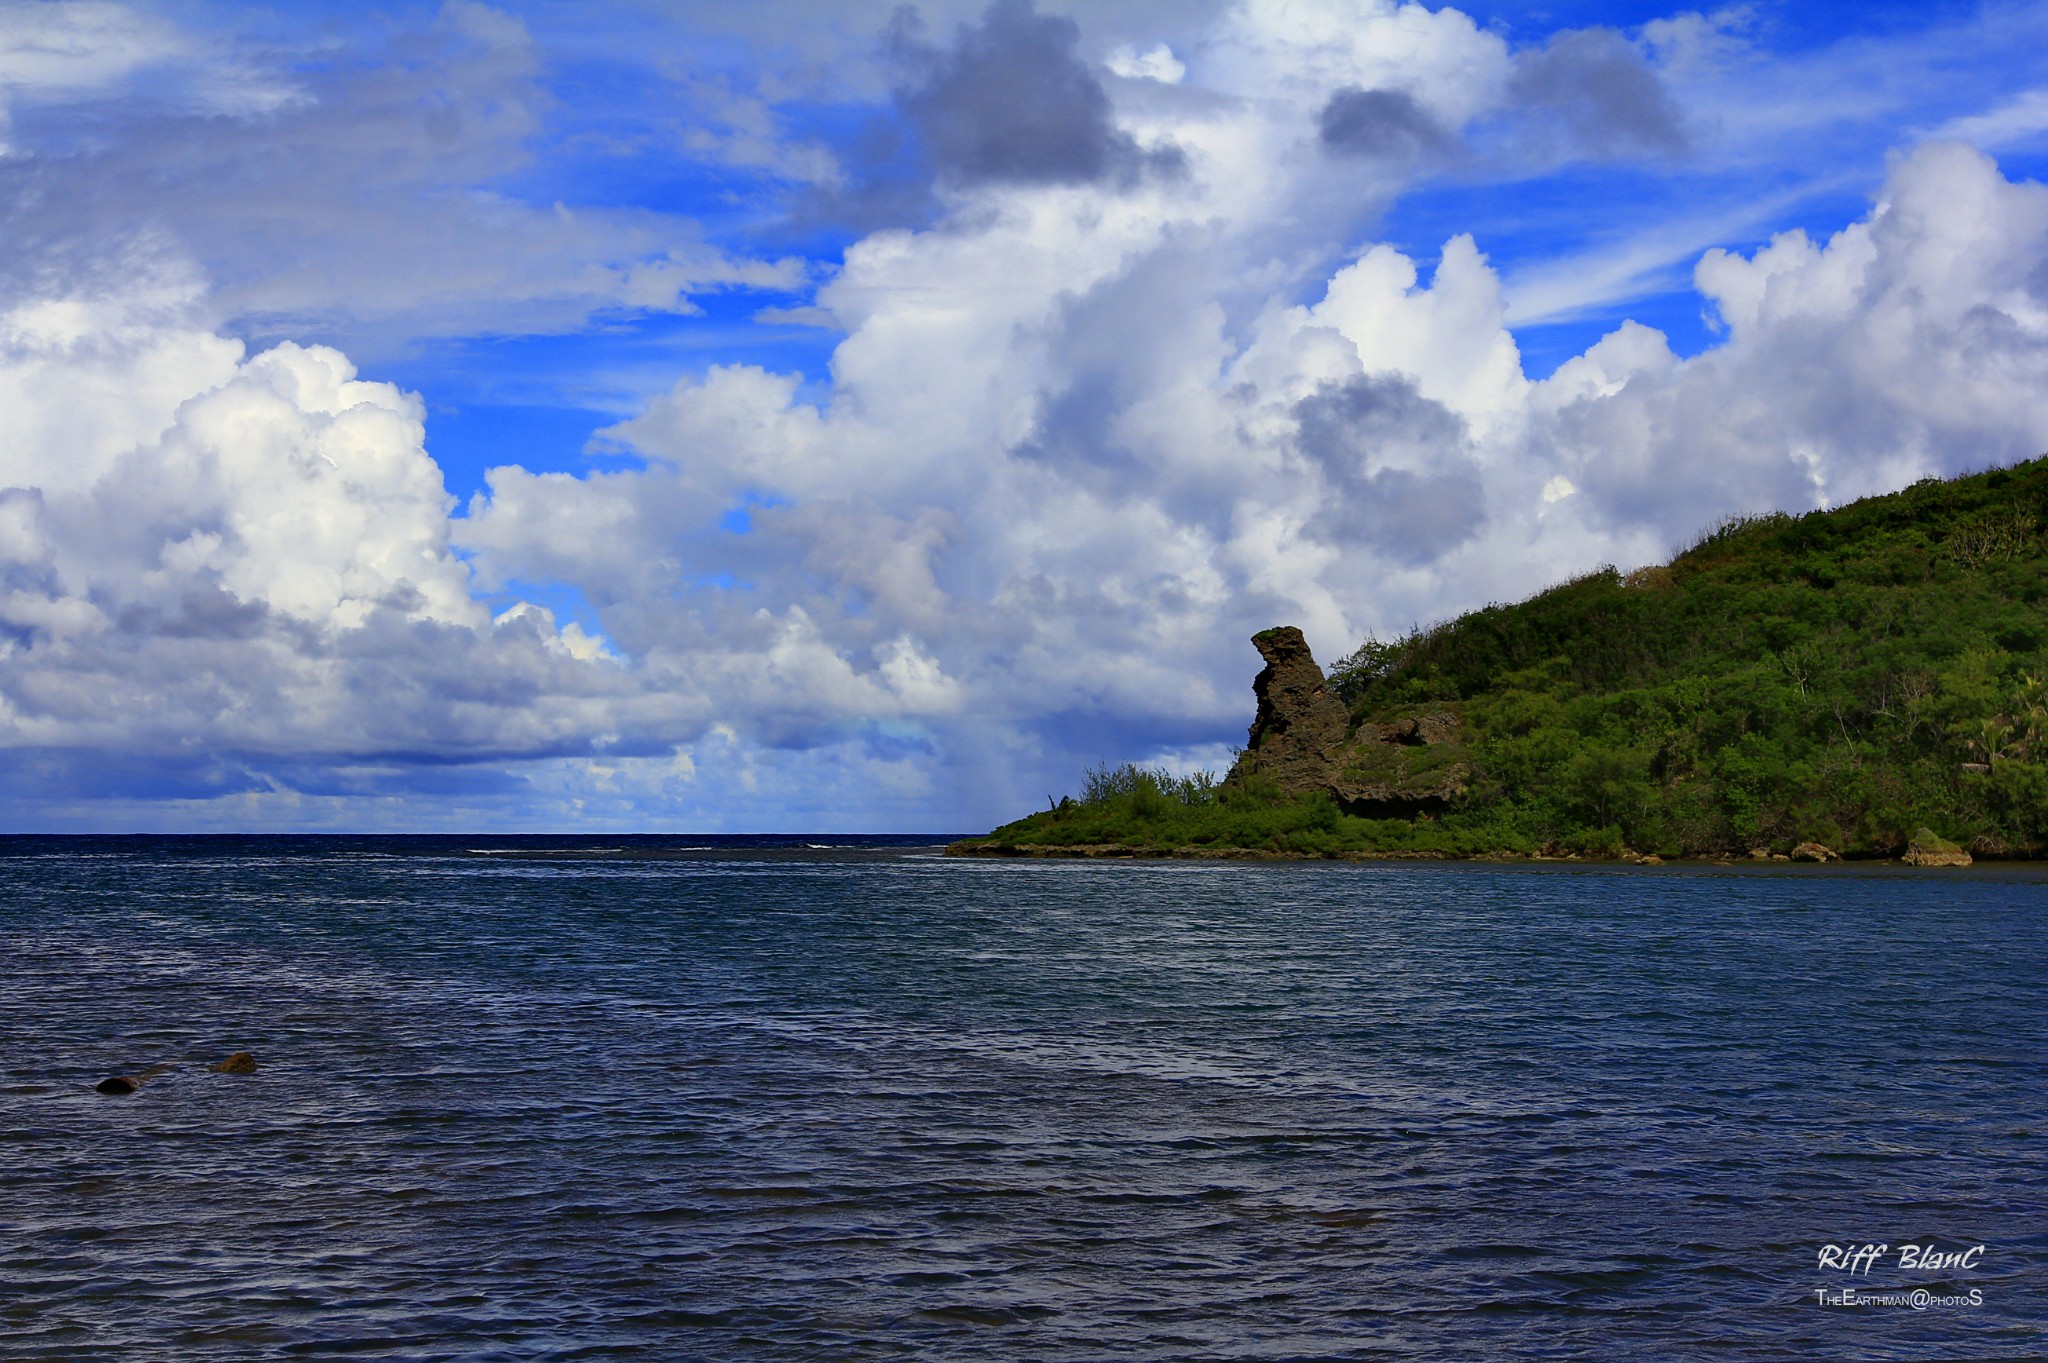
x,y
1863,683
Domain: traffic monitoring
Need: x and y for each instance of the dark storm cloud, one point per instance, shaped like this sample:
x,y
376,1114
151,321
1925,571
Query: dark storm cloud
x,y
1341,424
203,610
31,776
1388,124
1011,102
1601,94
1397,467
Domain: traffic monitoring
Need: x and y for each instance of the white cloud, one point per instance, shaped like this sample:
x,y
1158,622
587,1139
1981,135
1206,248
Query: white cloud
x,y
1155,63
1308,51
77,46
1450,337
1914,342
208,559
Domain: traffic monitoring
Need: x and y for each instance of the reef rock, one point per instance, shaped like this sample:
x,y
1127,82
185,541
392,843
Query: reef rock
x,y
1299,725
1929,849
121,1085
1441,727
1301,741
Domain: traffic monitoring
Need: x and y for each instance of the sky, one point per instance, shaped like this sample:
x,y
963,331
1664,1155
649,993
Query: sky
x,y
868,417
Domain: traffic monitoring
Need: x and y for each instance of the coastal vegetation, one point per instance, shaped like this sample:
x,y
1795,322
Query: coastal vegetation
x,y
1869,680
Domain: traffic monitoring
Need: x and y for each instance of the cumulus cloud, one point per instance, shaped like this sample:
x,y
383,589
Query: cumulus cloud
x,y
1275,50
226,561
1913,342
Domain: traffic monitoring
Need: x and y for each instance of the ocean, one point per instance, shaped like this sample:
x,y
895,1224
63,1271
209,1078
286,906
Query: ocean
x,y
724,1098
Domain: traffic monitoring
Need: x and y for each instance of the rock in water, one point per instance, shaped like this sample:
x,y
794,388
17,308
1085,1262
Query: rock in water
x,y
1813,851
1930,849
241,1062
122,1084
1299,724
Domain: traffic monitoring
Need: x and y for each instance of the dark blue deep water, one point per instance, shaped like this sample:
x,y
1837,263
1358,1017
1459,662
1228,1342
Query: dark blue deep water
x,y
776,1102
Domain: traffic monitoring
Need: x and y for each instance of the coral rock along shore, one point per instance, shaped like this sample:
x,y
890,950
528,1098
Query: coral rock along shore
x,y
1926,849
1299,726
1299,743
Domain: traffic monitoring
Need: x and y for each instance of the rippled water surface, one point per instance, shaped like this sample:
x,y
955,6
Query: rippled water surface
x,y
767,1102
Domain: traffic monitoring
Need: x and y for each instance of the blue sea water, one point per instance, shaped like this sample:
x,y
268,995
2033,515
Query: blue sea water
x,y
749,1099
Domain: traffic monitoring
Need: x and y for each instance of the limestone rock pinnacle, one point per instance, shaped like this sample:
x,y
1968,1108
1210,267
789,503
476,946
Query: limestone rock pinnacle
x,y
1300,724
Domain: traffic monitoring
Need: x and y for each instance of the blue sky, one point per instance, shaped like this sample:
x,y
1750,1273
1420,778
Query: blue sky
x,y
806,415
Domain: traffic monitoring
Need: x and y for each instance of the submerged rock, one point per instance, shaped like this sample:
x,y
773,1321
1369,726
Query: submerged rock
x,y
121,1085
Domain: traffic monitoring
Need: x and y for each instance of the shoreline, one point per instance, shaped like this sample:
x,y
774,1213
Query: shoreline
x,y
981,849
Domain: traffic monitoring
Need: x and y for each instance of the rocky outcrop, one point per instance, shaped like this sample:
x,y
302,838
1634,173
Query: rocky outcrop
x,y
1441,727
1301,741
1813,851
1299,725
121,1085
1929,849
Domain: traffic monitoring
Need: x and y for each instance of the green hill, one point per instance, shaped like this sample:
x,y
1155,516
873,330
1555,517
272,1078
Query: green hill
x,y
1850,678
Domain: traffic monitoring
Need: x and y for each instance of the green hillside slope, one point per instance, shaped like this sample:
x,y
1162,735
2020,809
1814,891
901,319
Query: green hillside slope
x,y
1846,678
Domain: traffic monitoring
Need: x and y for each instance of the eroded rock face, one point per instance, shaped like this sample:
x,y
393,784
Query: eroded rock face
x,y
1299,725
1300,742
1400,790
1441,727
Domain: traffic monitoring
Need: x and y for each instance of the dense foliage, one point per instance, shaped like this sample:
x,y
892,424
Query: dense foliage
x,y
1843,677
